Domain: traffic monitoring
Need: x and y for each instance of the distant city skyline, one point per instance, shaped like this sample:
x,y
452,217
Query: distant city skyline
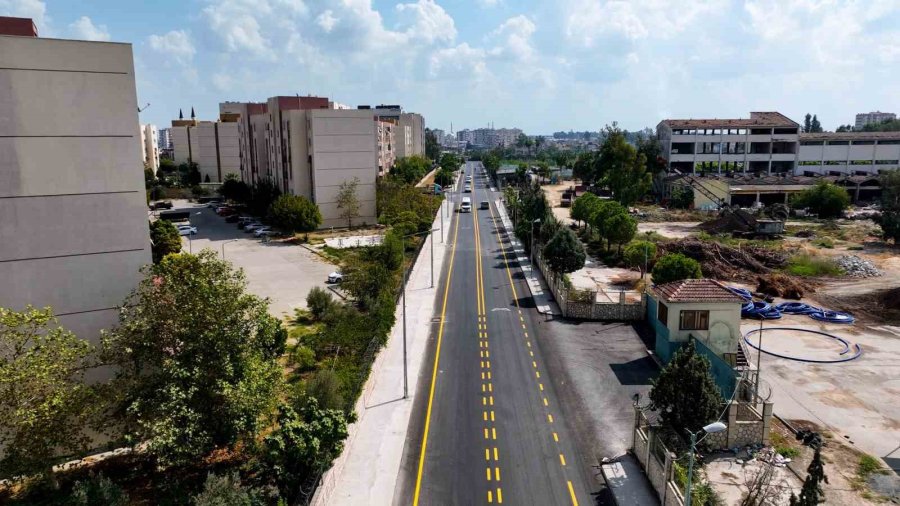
x,y
537,66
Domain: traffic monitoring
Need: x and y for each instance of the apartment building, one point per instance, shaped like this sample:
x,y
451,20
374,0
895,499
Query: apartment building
x,y
240,113
864,118
409,136
165,143
72,196
764,143
384,143
213,145
848,153
150,146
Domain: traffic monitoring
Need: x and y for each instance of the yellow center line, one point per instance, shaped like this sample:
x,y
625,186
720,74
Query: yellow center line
x,y
562,459
549,418
572,494
496,454
487,454
500,494
556,437
437,356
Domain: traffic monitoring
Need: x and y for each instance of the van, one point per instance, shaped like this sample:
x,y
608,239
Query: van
x,y
466,206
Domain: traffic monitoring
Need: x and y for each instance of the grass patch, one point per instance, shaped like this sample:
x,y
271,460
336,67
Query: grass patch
x,y
867,466
824,242
783,445
856,247
812,266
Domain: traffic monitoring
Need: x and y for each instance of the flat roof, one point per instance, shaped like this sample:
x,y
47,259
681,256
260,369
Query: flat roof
x,y
849,136
761,119
763,180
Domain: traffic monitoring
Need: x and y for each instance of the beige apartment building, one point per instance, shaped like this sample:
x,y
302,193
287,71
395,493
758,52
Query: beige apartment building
x,y
73,233
150,146
213,145
409,136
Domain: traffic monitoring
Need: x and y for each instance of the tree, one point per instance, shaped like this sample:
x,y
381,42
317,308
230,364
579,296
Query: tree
x,y
227,490
620,229
584,168
189,173
450,161
319,302
564,252
164,239
410,169
815,126
44,401
827,200
890,205
812,493
600,219
584,207
234,189
685,393
149,177
432,145
543,170
347,200
303,443
261,196
649,146
640,254
807,123
675,267
196,358
682,197
623,168
295,213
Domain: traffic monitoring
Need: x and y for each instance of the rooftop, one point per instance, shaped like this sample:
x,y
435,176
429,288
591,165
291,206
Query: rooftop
x,y
756,119
762,179
849,136
696,290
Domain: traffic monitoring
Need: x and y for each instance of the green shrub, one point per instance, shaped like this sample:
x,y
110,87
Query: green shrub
x,y
787,451
675,267
304,358
325,387
228,491
97,490
199,191
319,302
867,466
811,266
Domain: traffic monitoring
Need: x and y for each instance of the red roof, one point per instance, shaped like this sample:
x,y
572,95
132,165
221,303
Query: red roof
x,y
696,290
23,27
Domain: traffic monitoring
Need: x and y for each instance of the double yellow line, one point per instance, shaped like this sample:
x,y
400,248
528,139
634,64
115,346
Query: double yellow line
x,y
491,452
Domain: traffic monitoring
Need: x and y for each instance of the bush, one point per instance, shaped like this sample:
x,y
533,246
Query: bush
x,y
564,252
165,240
325,388
825,199
199,191
812,266
640,254
682,198
304,358
675,267
319,302
294,213
97,490
228,491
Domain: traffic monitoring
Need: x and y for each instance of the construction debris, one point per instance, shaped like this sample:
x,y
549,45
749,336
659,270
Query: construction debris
x,y
857,267
781,285
726,263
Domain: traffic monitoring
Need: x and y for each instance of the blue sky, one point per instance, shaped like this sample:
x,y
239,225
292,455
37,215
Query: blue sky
x,y
540,66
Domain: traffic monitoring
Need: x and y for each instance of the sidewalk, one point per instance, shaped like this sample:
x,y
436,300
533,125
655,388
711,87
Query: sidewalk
x,y
367,470
543,299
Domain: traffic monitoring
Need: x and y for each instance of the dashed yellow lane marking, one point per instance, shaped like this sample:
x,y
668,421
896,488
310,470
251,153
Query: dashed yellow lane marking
x,y
487,454
488,474
541,386
549,418
496,454
492,415
493,433
545,402
556,437
531,353
491,400
489,374
490,496
485,416
488,364
562,459
533,363
486,436
572,494
500,494
490,387
538,374
497,473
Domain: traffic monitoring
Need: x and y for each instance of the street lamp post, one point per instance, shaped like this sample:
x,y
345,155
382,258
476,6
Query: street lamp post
x,y
709,429
758,360
223,247
403,296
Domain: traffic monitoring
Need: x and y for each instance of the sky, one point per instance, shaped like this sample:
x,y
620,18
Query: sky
x,y
540,66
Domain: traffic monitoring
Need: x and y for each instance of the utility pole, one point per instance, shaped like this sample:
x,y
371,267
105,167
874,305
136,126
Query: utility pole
x,y
758,361
405,380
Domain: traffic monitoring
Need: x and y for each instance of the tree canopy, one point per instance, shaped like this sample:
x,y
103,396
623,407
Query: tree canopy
x,y
295,213
890,205
685,393
164,239
620,229
675,267
827,200
623,168
44,403
584,207
348,200
564,252
410,169
639,254
196,358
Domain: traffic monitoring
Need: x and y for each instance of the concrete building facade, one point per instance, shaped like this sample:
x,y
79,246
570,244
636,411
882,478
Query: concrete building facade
x,y
864,118
848,153
384,133
409,136
72,196
213,145
765,143
150,146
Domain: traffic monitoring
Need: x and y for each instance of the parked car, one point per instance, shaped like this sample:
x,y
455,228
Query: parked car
x,y
232,219
250,227
224,210
186,230
165,204
213,204
264,232
335,277
485,204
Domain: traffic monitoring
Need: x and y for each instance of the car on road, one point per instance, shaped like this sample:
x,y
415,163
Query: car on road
x,y
484,204
224,210
264,232
466,205
186,230
335,277
232,219
468,188
212,204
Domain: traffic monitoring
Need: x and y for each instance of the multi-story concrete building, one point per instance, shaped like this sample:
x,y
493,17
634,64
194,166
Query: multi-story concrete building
x,y
409,136
240,113
864,118
848,153
150,146
384,133
165,143
765,143
213,145
466,135
73,233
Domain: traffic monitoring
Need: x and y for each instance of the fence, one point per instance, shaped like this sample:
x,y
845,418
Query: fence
x,y
584,304
656,459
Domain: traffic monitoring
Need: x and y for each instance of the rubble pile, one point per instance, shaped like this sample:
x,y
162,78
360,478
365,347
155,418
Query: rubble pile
x,y
782,285
725,262
857,267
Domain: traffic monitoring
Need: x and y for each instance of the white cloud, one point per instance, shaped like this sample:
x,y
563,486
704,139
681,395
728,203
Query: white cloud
x,y
84,28
588,20
487,4
515,36
34,9
235,22
326,21
176,44
430,22
458,62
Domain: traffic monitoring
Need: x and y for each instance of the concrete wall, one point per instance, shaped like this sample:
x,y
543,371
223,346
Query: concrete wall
x,y
71,180
409,137
343,147
724,325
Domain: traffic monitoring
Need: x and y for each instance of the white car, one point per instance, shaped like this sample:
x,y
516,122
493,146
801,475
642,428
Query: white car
x,y
214,204
468,188
335,277
186,230
264,231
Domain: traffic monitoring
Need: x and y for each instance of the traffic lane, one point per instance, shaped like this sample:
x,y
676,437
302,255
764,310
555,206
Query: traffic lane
x,y
544,455
453,470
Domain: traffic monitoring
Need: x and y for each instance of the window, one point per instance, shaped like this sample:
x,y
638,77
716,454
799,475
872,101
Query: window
x,y
838,143
888,141
662,313
863,143
810,162
812,143
835,162
694,320
861,162
887,162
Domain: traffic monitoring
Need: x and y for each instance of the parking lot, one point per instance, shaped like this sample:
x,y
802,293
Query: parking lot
x,y
282,272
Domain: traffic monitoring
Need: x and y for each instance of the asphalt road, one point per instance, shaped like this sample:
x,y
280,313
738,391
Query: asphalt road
x,y
487,428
